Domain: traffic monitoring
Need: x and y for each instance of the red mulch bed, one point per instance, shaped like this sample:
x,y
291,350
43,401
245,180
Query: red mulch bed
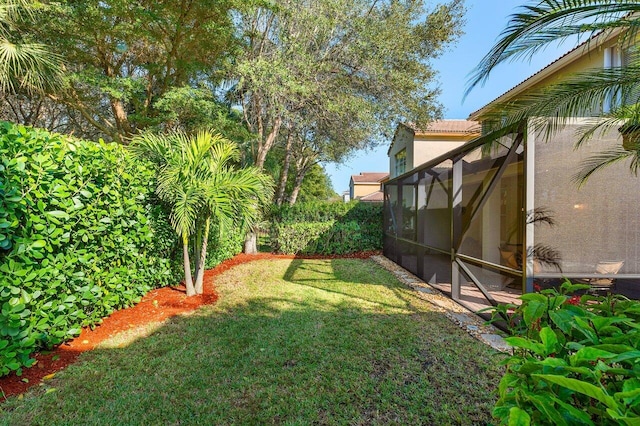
x,y
155,306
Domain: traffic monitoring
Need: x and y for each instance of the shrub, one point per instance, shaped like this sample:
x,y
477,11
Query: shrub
x,y
326,228
223,247
576,360
80,237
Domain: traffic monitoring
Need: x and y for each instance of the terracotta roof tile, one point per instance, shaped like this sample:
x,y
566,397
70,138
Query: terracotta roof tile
x,y
374,196
449,126
369,177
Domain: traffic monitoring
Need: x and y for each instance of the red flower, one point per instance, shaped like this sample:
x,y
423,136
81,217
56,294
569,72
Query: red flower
x,y
575,300
536,287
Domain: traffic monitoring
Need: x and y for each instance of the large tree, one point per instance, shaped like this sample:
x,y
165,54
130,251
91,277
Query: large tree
x,y
353,66
122,56
583,94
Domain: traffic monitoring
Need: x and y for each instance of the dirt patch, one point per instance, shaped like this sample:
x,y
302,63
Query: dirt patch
x,y
155,306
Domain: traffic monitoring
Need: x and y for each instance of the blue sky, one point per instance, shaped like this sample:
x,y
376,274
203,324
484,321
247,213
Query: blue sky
x,y
485,20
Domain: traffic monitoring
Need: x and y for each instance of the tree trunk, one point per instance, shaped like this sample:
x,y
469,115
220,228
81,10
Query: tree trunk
x,y
197,247
285,171
122,120
188,279
268,143
251,243
203,258
297,185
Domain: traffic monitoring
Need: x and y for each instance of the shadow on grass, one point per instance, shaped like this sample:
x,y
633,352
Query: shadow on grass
x,y
272,360
356,272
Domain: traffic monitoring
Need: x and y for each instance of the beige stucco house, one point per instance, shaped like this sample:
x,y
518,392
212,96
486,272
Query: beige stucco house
x,y
367,186
412,146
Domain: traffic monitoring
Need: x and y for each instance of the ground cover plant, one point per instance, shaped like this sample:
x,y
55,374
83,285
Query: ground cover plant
x,y
576,360
289,341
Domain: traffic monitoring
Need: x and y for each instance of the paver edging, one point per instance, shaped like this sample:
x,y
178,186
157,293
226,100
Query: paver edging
x,y
458,314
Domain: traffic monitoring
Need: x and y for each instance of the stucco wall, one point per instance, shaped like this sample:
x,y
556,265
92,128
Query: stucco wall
x,y
362,189
597,222
427,149
403,140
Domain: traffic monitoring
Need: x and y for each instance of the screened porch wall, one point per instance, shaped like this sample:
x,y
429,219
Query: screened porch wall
x,y
597,222
447,221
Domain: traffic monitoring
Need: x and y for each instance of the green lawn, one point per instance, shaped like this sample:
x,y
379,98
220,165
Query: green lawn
x,y
289,342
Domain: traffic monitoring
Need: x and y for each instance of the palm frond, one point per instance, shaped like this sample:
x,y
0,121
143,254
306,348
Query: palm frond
x,y
157,148
547,255
541,214
604,159
27,66
582,94
186,207
543,22
240,194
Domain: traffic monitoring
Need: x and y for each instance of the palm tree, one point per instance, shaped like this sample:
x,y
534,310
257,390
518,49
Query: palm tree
x,y
542,22
198,180
24,65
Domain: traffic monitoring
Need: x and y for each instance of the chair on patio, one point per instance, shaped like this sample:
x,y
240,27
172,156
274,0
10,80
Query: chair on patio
x,y
510,258
608,268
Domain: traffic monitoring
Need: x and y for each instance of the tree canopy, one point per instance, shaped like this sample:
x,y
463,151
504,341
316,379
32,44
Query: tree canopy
x,y
322,79
343,71
122,56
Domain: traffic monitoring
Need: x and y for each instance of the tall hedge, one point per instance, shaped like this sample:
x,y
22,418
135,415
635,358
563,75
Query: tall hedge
x,y
80,237
325,227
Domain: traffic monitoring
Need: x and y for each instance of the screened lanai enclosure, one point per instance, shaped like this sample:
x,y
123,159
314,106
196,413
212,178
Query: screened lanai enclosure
x,y
486,223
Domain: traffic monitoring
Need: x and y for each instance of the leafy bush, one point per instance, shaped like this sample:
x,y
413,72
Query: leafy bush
x,y
223,247
326,228
80,237
576,360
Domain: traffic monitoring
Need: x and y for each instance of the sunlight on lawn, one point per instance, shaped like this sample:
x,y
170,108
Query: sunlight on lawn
x,y
289,341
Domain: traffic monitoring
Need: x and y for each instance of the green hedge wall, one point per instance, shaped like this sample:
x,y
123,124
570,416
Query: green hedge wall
x,y
80,237
326,228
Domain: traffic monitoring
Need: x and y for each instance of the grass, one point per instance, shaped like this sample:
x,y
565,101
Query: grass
x,y
289,342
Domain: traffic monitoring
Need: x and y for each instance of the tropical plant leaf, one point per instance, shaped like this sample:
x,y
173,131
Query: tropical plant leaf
x,y
581,387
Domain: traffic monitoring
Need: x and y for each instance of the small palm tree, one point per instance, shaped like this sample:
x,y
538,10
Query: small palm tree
x,y
548,109
24,65
198,180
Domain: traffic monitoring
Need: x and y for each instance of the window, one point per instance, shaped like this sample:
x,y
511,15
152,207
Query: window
x,y
401,162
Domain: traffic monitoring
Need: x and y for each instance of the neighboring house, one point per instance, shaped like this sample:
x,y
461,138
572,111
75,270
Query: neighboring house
x,y
412,146
468,220
367,186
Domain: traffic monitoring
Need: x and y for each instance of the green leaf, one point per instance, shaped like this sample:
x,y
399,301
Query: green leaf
x,y
549,339
581,387
59,214
534,310
572,414
38,244
589,354
520,342
545,404
518,417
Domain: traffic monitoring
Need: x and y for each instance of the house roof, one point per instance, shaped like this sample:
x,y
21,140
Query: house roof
x,y
369,177
447,126
377,196
577,52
